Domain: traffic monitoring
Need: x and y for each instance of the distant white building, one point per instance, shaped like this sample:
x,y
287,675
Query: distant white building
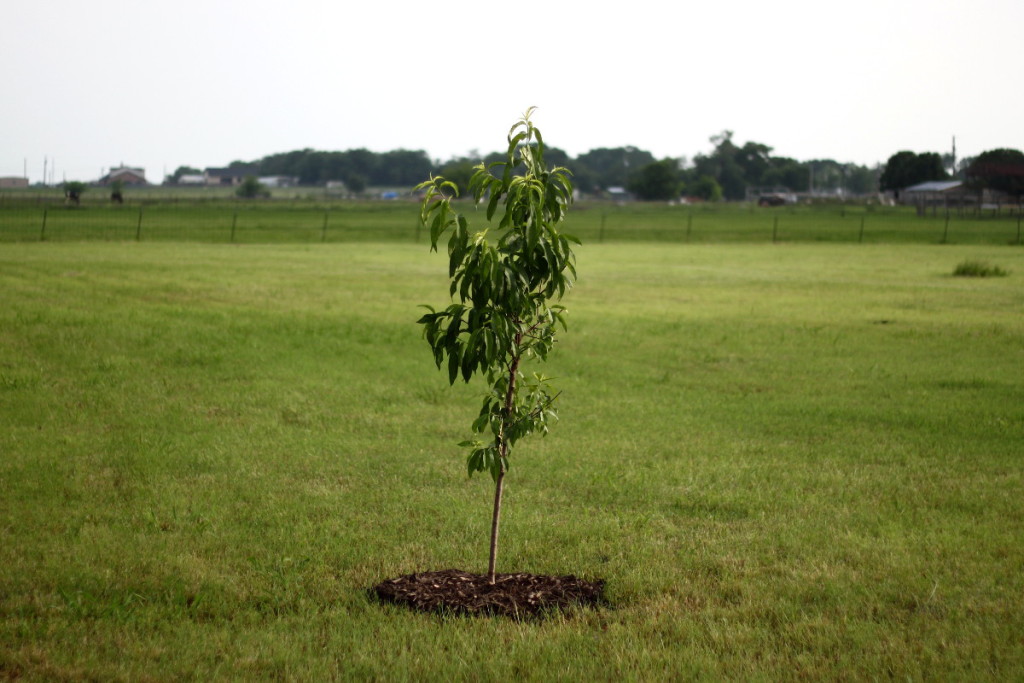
x,y
278,181
228,176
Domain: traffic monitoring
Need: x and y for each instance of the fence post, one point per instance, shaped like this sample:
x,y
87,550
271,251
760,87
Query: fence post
x,y
138,226
323,233
42,233
234,222
600,234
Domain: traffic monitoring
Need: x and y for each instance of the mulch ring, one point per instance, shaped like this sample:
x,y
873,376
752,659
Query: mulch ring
x,y
454,591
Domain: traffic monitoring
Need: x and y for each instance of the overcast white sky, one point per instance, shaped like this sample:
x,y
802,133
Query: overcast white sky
x,y
164,84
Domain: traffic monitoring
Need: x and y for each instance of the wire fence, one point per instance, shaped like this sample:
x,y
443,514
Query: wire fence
x,y
304,220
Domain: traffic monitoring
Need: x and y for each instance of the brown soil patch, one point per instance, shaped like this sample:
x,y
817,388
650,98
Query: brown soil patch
x,y
514,595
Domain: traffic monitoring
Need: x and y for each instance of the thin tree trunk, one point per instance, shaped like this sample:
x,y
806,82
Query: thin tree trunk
x,y
499,484
498,488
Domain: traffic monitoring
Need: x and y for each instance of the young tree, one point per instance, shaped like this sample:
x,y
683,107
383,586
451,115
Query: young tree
x,y
504,292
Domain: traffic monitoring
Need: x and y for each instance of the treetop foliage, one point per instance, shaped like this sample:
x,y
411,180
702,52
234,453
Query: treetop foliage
x,y
504,288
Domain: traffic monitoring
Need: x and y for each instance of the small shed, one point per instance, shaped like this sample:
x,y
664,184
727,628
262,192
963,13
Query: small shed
x,y
936,194
278,181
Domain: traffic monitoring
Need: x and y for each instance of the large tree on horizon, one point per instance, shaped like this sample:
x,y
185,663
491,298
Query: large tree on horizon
x,y
905,169
998,169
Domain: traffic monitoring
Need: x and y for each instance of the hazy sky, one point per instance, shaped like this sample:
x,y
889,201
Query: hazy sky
x,y
165,84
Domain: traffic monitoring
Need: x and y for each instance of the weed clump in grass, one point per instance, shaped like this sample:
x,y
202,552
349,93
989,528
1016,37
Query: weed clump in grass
x,y
976,268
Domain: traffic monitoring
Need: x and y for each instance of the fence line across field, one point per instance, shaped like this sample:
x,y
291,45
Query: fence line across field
x,y
594,222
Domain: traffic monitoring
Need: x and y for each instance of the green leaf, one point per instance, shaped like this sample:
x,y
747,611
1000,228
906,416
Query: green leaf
x,y
492,205
514,140
468,364
474,463
453,365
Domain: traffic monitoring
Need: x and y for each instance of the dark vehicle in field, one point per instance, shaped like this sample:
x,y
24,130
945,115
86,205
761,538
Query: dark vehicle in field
x,y
771,200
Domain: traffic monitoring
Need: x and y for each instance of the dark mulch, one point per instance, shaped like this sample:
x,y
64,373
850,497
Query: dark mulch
x,y
514,595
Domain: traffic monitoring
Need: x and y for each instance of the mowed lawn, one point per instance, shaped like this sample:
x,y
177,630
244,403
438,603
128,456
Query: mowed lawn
x,y
787,461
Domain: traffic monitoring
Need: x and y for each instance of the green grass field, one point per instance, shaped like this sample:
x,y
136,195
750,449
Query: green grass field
x,y
788,461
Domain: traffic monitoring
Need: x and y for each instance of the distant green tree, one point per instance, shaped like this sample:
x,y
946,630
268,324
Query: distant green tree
x,y
285,164
364,162
861,179
705,187
905,169
251,188
356,182
722,165
401,168
755,159
998,169
610,167
656,181
460,170
787,173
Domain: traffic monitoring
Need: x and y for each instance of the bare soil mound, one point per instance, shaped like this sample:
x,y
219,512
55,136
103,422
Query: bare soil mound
x,y
514,595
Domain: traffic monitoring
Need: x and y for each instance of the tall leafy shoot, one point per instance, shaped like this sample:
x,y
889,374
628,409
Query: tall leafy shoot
x,y
506,281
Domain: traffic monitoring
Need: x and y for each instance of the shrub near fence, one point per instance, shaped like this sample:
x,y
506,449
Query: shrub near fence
x,y
311,221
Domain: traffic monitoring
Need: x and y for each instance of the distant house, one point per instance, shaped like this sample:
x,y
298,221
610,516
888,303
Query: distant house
x,y
936,193
228,176
13,181
125,174
950,194
192,179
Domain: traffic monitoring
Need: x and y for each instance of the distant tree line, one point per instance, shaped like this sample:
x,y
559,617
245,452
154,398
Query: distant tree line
x,y
729,171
